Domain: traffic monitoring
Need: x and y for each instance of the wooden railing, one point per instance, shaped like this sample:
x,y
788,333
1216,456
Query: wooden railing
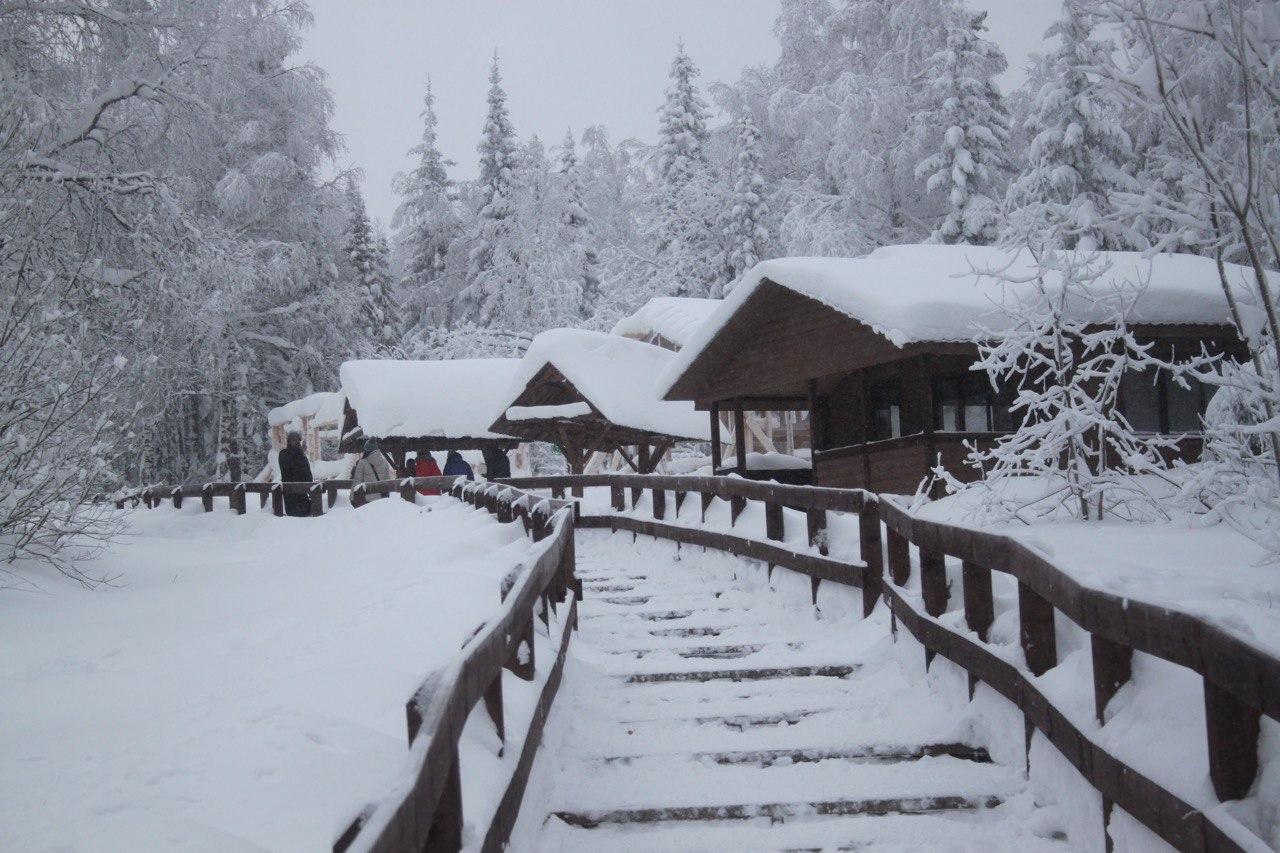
x,y
424,811
1241,680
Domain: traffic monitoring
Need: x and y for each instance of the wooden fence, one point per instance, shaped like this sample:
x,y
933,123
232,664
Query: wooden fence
x,y
424,811
1241,680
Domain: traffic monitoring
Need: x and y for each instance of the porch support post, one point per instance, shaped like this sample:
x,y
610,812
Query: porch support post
x,y
740,435
716,461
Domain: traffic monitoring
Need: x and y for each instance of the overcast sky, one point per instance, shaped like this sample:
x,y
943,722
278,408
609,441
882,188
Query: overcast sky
x,y
565,63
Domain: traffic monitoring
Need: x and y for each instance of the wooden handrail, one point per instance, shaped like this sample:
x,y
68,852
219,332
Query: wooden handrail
x,y
800,497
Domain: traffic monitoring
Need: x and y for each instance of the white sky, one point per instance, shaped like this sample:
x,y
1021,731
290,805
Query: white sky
x,y
565,63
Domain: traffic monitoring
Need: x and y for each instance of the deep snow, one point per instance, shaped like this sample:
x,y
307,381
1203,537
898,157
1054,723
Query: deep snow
x,y
243,685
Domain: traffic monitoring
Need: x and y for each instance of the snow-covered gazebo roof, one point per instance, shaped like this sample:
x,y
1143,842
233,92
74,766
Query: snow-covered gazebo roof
x,y
426,405
589,391
925,294
323,407
667,320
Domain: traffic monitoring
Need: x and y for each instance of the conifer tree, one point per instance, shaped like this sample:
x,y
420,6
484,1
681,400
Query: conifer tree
x,y
581,243
1076,158
489,272
976,131
426,221
378,315
746,234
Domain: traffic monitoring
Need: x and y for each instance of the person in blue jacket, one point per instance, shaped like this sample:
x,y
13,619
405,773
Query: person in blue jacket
x,y
456,466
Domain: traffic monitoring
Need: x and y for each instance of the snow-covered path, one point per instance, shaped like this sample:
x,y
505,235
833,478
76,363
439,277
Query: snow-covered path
x,y
707,709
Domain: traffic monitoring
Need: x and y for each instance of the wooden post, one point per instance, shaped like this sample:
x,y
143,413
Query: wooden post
x,y
933,582
814,583
445,835
899,557
617,498
706,498
740,436
407,491
979,607
504,509
238,499
869,548
1112,667
493,704
316,492
357,495
523,670
659,503
736,506
176,495
277,500
1035,619
206,497
331,493
716,462
1233,742
679,501
816,522
774,526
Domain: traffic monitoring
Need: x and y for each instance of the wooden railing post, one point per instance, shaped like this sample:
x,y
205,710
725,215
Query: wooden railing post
x,y
331,493
407,491
238,497
316,493
736,506
869,548
933,581
557,492
979,606
659,503
1232,729
816,522
176,496
504,508
523,669
774,525
445,835
636,492
357,495
277,500
493,704
1035,620
206,497
680,496
899,557
1112,667
617,498
705,498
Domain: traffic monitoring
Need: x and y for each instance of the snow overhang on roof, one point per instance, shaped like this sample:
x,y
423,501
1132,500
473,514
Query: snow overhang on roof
x,y
674,318
323,407
617,376
459,398
936,293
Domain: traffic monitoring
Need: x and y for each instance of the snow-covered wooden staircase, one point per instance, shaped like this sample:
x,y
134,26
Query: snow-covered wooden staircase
x,y
702,711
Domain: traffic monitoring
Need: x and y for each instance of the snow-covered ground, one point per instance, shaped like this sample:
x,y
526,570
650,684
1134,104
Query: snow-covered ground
x,y
242,687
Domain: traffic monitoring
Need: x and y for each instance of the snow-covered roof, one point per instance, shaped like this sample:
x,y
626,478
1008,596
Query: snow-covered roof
x,y
323,406
457,398
675,318
617,376
917,293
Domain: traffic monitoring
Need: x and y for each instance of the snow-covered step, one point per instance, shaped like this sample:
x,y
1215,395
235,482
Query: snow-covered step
x,y
886,754
742,674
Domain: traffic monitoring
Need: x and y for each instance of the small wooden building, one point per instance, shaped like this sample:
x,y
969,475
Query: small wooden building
x,y
590,392
317,416
414,407
879,351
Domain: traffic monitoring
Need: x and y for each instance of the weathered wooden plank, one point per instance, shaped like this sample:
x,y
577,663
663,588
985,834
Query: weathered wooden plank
x,y
933,581
773,522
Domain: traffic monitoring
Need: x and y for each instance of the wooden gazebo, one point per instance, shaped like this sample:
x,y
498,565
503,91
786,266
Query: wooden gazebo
x,y
880,350
589,392
423,406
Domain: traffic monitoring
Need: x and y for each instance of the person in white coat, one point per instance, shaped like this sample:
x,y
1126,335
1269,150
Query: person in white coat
x,y
372,467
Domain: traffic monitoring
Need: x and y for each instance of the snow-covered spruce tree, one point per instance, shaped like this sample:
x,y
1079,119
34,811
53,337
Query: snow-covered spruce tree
x,y
746,234
975,134
427,221
1079,149
1203,71
1062,347
582,250
684,206
492,268
378,315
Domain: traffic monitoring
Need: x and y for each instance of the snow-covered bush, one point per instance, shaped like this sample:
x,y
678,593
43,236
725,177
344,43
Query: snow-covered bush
x,y
1063,354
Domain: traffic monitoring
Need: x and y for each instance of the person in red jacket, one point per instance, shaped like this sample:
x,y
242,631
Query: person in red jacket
x,y
425,466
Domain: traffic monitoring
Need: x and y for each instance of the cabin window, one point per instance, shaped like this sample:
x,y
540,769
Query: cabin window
x,y
1153,401
968,403
885,401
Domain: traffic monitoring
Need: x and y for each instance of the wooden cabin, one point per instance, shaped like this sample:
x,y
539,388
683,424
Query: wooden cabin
x,y
589,392
879,351
773,438
317,416
415,407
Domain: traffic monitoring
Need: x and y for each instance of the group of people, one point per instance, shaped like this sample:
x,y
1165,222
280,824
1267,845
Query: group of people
x,y
373,467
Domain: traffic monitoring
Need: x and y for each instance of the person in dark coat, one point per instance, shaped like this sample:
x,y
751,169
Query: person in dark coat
x,y
456,466
496,463
425,466
295,468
